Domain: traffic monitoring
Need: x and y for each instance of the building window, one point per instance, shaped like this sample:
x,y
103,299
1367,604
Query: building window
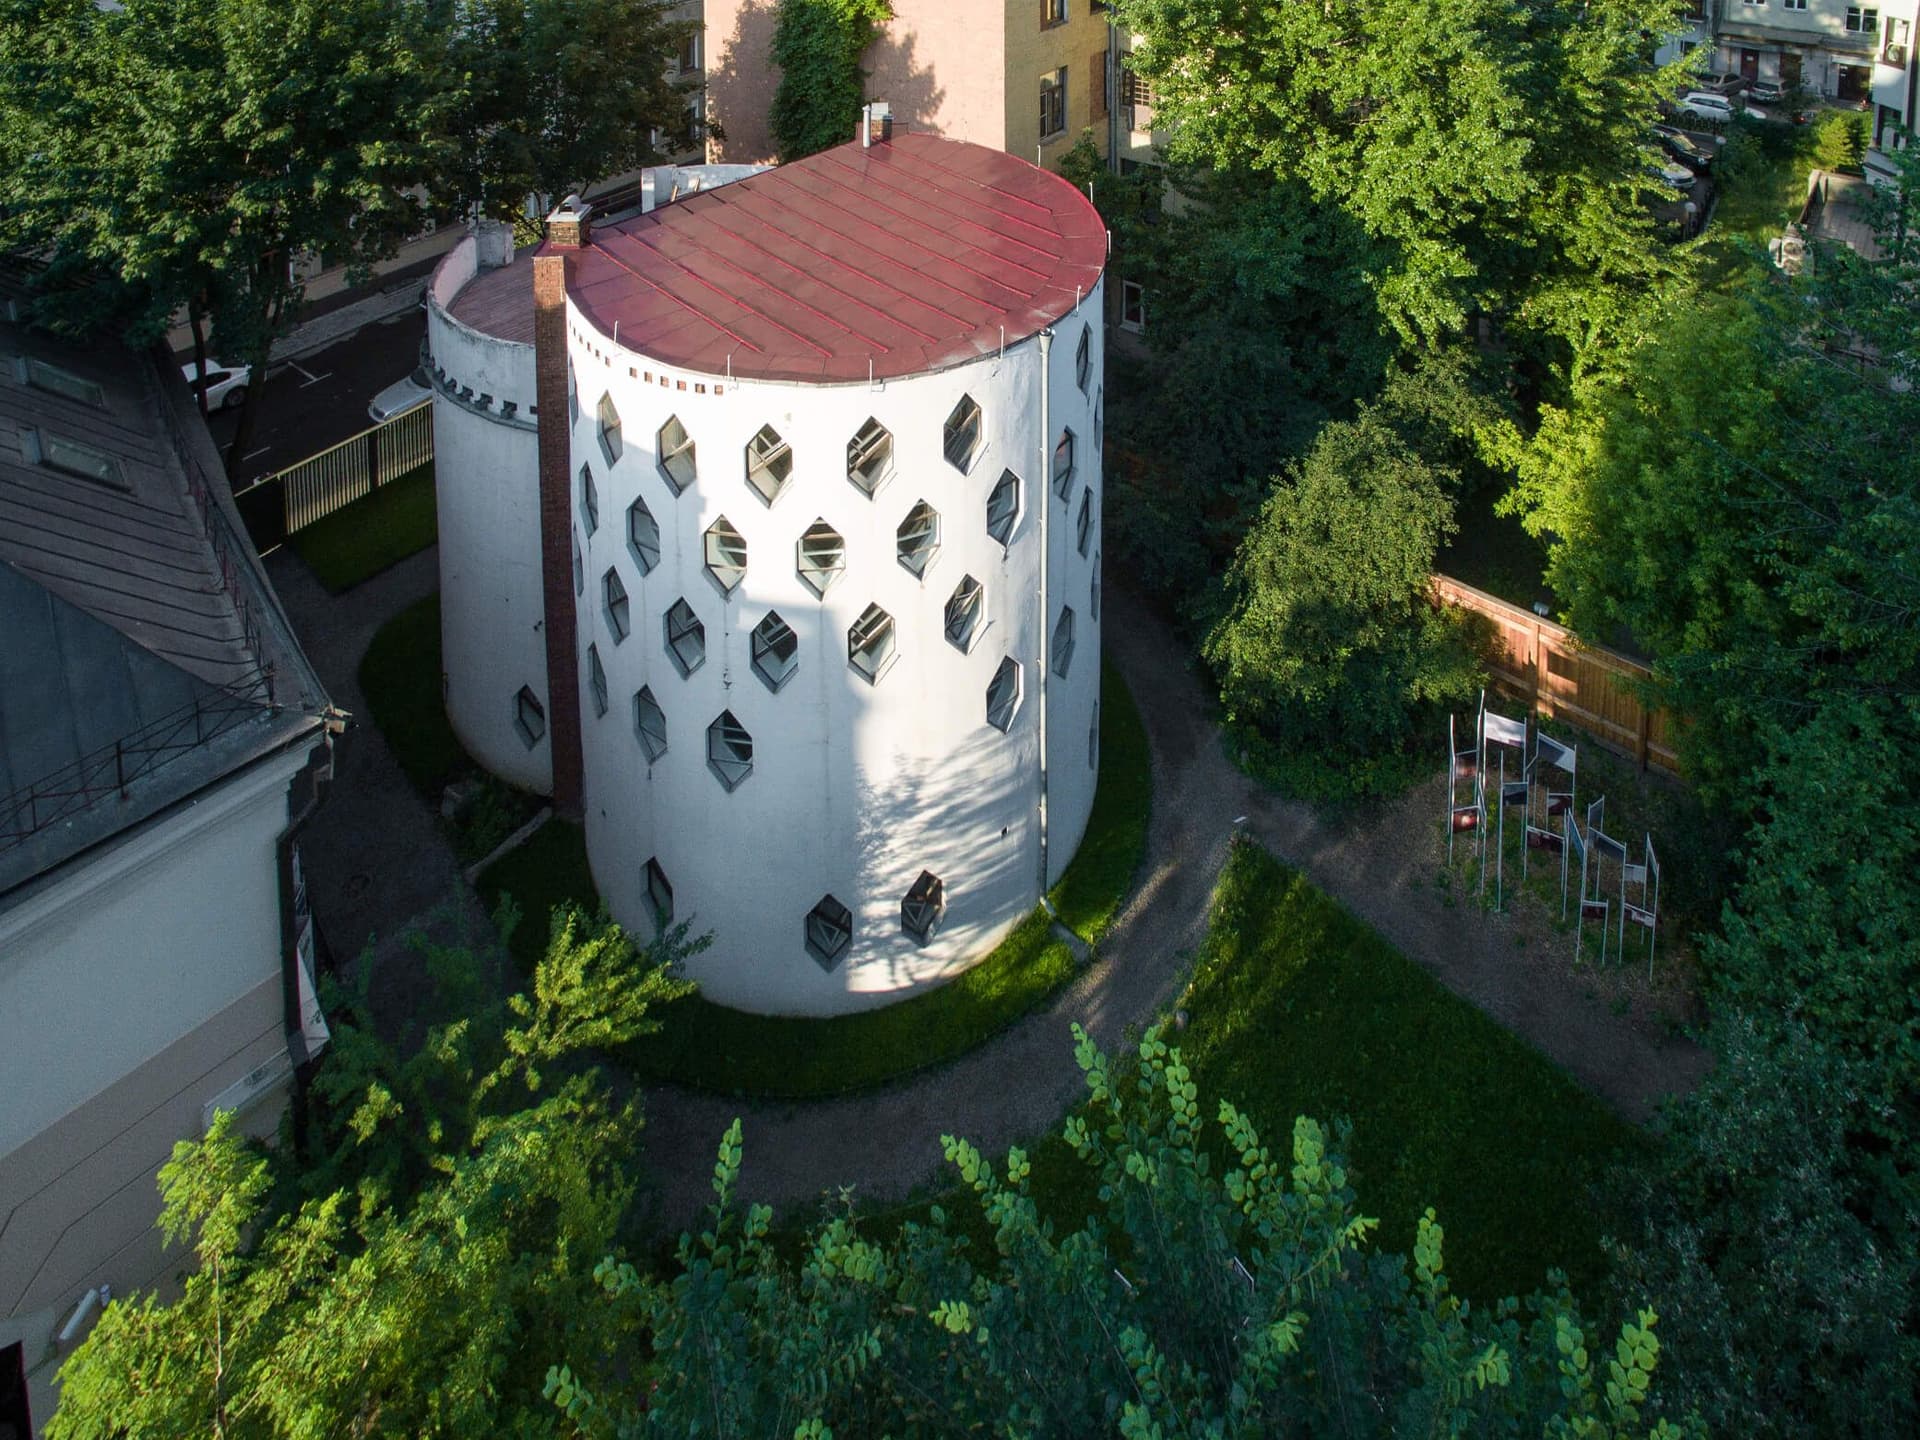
x,y
1133,306
963,613
674,449
1053,103
609,429
961,435
1793,4
597,679
1003,695
726,554
613,595
870,642
579,567
690,52
589,501
659,893
829,930
1063,465
649,723
917,540
729,750
769,463
72,458
1083,527
776,650
1003,507
821,557
1083,358
686,638
1099,415
529,717
1063,641
69,386
643,536
925,903
1052,12
573,396
1862,20
870,456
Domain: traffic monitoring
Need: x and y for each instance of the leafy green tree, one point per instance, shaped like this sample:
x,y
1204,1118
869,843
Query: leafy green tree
x,y
1330,656
818,44
1201,1300
189,153
451,1215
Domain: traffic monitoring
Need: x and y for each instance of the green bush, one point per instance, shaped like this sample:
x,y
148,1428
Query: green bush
x,y
1840,140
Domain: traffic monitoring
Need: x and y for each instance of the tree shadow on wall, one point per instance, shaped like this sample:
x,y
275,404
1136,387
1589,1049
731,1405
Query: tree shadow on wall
x,y
912,91
740,88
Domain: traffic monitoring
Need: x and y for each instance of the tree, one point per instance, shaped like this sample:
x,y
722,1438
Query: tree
x,y
818,44
445,1229
1330,656
1203,1301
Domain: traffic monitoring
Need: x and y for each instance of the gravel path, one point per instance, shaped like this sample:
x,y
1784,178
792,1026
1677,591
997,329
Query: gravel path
x,y
1017,1085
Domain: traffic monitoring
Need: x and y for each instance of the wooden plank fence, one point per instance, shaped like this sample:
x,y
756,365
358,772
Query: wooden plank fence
x,y
1549,669
284,503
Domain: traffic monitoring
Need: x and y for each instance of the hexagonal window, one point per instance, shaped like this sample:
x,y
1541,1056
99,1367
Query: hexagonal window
x,y
829,929
963,613
1062,646
643,536
870,642
960,438
659,893
589,501
597,679
608,429
1099,415
614,604
673,450
821,557
726,554
1083,358
729,750
925,903
1003,695
573,396
686,638
529,717
870,456
917,540
776,650
1063,465
579,566
1083,527
1003,507
769,463
649,723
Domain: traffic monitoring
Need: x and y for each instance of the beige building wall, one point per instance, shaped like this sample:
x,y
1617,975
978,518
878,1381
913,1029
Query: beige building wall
x,y
940,68
1035,49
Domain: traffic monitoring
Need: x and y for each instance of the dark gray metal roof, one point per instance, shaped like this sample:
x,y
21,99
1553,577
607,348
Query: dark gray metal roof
x,y
143,656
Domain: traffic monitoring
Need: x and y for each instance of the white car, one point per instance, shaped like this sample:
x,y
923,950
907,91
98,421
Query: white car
x,y
226,385
400,396
1705,105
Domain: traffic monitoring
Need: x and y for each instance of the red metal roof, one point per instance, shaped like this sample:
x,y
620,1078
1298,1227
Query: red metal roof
x,y
912,255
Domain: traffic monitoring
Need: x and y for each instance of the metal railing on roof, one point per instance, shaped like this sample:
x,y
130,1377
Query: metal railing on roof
x,y
113,769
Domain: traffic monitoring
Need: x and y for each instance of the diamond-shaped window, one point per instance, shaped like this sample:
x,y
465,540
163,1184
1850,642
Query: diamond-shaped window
x,y
870,456
613,597
917,540
686,638
597,678
608,428
673,448
659,893
925,903
1083,358
821,557
870,642
729,750
1083,527
649,723
529,717
1063,641
643,536
829,929
963,613
1003,695
1063,465
726,554
776,650
589,500
960,438
769,463
1003,507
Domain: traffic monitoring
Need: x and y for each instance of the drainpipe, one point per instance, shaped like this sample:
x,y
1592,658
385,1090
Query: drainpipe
x,y
1046,565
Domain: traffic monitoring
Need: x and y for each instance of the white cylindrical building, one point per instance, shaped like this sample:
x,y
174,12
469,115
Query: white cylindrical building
x,y
834,500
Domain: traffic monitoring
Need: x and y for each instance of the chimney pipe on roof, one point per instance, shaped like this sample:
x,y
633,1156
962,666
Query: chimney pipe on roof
x,y
571,226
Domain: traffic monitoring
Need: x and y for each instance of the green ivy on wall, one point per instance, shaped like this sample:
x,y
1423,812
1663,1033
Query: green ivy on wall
x,y
817,44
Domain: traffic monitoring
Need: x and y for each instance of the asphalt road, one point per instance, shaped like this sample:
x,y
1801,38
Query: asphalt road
x,y
321,399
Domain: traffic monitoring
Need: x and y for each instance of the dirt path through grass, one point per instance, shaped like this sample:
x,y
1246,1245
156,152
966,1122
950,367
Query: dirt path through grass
x,y
1377,865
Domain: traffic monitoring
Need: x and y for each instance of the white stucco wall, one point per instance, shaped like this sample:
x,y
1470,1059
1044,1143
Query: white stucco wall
x,y
486,479
856,787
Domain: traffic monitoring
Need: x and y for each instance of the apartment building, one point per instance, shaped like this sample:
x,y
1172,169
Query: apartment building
x,y
1830,48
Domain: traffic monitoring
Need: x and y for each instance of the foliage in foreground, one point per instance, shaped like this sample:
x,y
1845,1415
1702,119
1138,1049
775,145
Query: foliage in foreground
x,y
442,1228
1243,1302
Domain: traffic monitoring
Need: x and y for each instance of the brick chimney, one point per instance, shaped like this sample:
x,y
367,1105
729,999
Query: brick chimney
x,y
556,522
571,226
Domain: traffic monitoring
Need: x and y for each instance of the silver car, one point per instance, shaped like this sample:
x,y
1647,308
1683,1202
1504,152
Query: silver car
x,y
400,397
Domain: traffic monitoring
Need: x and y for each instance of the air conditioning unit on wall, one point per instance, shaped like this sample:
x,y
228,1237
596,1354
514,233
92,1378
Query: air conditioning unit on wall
x,y
1894,55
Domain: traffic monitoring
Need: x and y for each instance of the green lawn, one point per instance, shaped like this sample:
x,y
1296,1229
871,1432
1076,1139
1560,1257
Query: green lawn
x,y
1298,1008
1757,197
358,542
717,1048
400,676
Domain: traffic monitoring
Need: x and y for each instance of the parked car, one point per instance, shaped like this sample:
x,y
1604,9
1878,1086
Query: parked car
x,y
1705,105
400,396
226,385
1684,148
1766,92
1678,177
1728,85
